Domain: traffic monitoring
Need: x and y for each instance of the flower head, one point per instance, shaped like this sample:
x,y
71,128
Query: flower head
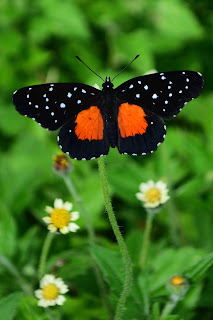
x,y
177,286
60,218
153,194
61,163
51,290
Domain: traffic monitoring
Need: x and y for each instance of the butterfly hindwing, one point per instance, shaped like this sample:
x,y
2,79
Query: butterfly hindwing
x,y
83,137
51,105
163,93
140,130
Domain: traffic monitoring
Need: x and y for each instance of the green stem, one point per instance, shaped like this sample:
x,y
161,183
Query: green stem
x,y
125,255
44,253
78,200
174,221
91,235
12,269
170,305
146,240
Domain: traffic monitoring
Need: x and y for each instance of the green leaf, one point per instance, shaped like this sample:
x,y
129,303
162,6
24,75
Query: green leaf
x,y
112,267
8,240
197,270
9,304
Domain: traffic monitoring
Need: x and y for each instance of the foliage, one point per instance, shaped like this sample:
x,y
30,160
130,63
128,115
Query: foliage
x,y
39,41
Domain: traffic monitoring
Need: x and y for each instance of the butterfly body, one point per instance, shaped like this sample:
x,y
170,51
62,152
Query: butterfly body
x,y
128,117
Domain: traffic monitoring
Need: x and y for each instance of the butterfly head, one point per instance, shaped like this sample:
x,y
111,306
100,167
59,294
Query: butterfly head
x,y
107,85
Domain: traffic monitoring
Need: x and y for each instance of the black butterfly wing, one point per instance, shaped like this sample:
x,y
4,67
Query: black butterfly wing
x,y
85,139
140,131
51,105
163,93
72,106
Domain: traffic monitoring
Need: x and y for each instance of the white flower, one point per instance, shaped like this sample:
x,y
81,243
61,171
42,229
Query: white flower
x,y
60,219
153,194
51,291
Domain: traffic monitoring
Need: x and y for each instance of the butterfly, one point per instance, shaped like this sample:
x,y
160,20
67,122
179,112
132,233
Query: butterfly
x,y
128,117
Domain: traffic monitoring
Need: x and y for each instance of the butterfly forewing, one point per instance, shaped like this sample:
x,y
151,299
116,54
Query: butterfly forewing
x,y
51,105
163,93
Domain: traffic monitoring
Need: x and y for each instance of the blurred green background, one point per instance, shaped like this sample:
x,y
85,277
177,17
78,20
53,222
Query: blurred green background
x,y
39,40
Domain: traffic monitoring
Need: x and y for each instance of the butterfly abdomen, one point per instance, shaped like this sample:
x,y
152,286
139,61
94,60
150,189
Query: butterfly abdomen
x,y
111,131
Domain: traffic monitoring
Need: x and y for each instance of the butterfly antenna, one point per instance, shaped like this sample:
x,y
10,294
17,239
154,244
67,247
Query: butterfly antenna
x,y
89,68
126,66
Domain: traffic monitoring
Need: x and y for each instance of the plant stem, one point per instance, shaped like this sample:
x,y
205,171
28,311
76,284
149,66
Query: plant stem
x,y
12,269
91,236
125,255
150,216
170,305
78,200
173,216
44,253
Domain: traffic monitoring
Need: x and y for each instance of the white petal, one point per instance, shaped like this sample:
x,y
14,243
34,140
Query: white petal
x,y
46,219
48,278
48,209
150,183
140,196
51,302
73,227
38,294
52,228
151,204
64,230
64,289
58,203
164,199
74,215
43,303
143,187
67,206
161,185
60,300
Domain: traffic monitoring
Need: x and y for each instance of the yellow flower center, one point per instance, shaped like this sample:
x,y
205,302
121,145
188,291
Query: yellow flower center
x,y
177,281
153,195
60,218
50,292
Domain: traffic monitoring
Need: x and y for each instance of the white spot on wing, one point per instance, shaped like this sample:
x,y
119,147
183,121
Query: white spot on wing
x,y
51,89
163,78
52,113
146,87
69,95
79,102
75,88
62,105
154,96
139,82
84,91
131,86
137,95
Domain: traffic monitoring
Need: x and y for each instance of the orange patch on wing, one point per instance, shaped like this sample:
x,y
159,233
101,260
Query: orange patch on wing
x,y
90,124
131,120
